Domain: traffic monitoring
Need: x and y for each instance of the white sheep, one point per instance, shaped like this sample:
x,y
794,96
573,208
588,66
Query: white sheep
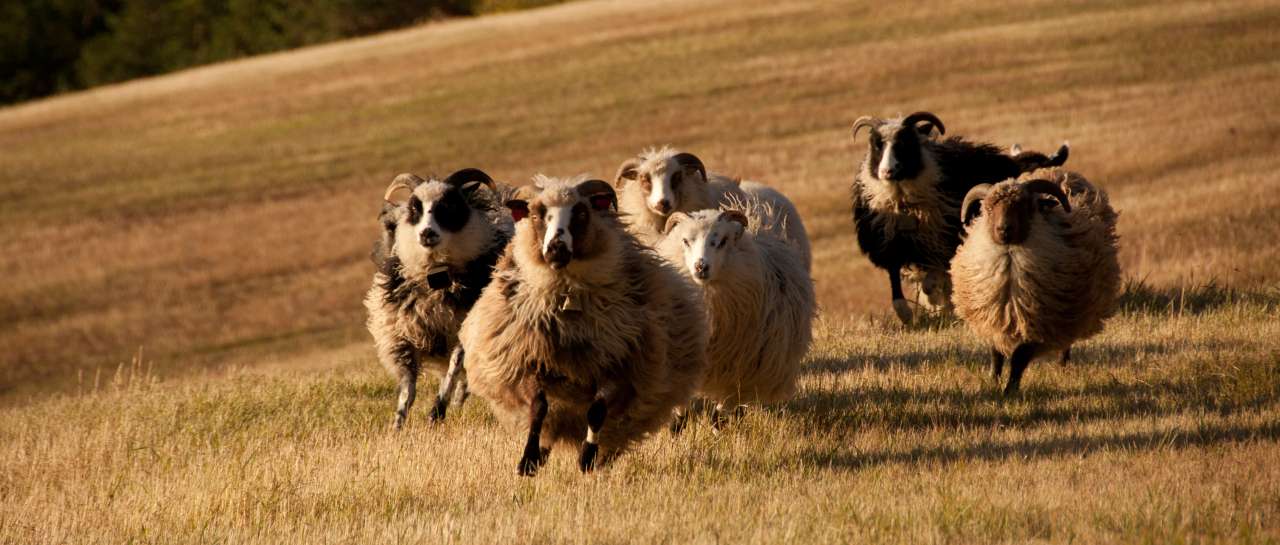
x,y
661,181
759,299
581,322
1038,269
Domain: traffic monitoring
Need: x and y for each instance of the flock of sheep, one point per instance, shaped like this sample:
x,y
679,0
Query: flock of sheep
x,y
593,314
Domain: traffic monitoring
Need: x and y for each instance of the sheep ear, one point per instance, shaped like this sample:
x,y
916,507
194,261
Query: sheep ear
x,y
673,220
627,172
398,192
737,217
519,209
599,193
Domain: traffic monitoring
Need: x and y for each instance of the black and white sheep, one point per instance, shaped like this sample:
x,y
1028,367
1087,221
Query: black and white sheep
x,y
582,324
661,181
758,295
1037,270
440,240
906,198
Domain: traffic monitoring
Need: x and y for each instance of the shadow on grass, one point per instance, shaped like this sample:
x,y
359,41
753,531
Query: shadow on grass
x,y
902,407
1057,446
1140,298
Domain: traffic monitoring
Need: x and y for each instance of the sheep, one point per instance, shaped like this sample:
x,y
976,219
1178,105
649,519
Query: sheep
x,y
758,295
906,196
435,254
660,181
1035,275
1033,160
582,323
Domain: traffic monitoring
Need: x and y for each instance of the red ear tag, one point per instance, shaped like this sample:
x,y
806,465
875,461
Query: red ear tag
x,y
601,202
519,209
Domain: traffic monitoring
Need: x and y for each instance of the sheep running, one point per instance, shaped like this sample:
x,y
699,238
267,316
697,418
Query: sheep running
x,y
582,323
661,181
436,253
906,198
1034,275
758,295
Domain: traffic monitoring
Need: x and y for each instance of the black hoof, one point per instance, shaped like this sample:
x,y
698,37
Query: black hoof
x,y
528,466
438,411
587,460
1011,390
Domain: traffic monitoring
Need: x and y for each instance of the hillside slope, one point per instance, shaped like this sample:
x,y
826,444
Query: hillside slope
x,y
221,214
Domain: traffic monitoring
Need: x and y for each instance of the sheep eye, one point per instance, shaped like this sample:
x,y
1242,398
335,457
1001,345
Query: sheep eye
x,y
721,243
686,243
676,179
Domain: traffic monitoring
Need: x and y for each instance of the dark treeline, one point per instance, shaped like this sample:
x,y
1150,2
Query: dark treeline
x,y
50,46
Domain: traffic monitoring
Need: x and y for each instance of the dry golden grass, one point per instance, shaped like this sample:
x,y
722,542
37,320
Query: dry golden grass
x,y
219,219
1166,429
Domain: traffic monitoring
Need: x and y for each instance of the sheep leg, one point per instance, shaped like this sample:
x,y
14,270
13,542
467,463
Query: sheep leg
x,y
1017,364
679,419
408,385
451,378
997,363
596,415
900,305
1066,356
534,457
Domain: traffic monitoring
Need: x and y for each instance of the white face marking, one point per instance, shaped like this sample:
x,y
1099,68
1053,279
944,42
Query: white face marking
x,y
557,221
660,190
888,162
591,435
428,221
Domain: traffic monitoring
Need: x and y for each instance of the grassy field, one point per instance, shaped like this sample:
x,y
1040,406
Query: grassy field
x,y
212,227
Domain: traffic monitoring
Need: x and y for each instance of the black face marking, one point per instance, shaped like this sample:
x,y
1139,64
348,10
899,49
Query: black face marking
x,y
415,210
676,178
906,150
451,211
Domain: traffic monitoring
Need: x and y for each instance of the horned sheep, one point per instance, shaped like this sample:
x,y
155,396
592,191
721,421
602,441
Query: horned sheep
x,y
906,198
661,181
1036,274
435,254
759,299
582,324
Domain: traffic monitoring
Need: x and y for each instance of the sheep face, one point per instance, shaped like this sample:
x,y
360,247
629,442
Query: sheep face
x,y
707,238
561,223
440,223
666,178
895,151
1012,208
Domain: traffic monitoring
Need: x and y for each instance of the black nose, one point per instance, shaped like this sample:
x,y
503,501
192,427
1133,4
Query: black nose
x,y
429,238
701,270
664,206
558,255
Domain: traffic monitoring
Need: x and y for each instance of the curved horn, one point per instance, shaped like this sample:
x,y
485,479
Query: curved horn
x,y
915,118
689,160
626,172
866,121
673,220
599,193
468,175
974,196
1046,187
405,181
